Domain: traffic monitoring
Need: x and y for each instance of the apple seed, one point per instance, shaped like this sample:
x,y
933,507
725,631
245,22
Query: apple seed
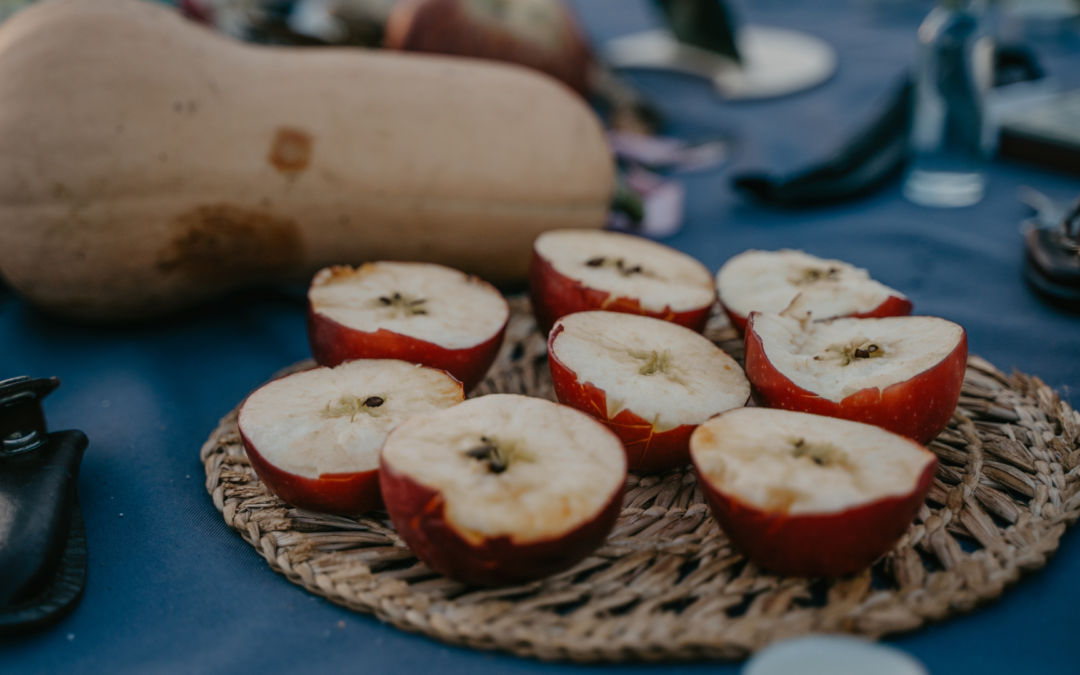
x,y
859,348
497,458
349,405
822,454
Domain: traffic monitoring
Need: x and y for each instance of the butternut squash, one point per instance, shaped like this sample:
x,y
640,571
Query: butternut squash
x,y
147,163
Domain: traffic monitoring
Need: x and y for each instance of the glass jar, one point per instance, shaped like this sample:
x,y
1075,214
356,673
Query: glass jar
x,y
946,167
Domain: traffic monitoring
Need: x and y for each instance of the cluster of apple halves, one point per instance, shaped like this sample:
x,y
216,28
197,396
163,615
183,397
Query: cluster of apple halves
x,y
821,479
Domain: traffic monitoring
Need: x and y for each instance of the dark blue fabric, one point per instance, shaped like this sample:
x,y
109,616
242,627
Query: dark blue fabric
x,y
172,590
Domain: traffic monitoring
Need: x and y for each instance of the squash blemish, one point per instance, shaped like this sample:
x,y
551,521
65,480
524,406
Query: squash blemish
x,y
222,241
291,151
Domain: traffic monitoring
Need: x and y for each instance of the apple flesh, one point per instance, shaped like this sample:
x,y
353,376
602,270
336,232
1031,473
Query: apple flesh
x,y
768,282
903,374
809,496
650,381
313,437
416,312
502,489
582,270
540,34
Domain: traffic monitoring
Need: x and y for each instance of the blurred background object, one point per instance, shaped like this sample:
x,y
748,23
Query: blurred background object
x,y
743,61
832,655
1052,241
953,70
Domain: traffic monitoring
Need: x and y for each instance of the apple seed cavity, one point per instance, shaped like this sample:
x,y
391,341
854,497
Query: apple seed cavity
x,y
656,362
403,304
813,275
498,457
618,264
859,348
822,454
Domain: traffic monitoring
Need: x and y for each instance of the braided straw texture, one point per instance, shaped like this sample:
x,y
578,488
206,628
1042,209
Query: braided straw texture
x,y
667,584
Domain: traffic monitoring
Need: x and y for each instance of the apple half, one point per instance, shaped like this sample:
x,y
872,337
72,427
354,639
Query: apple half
x,y
650,381
416,312
806,495
768,281
540,34
581,270
314,437
503,488
901,373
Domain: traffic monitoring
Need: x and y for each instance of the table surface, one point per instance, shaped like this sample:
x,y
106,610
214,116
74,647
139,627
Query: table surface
x,y
173,590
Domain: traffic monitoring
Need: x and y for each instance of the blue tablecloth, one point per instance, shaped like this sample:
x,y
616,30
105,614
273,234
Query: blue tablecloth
x,y
172,590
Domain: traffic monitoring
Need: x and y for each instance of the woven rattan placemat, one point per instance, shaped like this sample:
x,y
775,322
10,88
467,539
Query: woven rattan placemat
x,y
667,584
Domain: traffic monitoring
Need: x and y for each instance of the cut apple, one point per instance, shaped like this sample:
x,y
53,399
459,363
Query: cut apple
x,y
650,381
903,373
806,495
503,488
768,281
581,270
540,34
313,437
417,312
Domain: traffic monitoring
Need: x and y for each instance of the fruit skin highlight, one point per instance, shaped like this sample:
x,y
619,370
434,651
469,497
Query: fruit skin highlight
x,y
552,499
333,343
809,544
555,295
342,494
918,408
818,545
419,516
647,450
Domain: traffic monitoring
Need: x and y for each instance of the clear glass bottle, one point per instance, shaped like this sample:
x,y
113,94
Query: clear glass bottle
x,y
946,167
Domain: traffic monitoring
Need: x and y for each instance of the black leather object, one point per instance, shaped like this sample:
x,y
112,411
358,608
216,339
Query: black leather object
x,y
43,559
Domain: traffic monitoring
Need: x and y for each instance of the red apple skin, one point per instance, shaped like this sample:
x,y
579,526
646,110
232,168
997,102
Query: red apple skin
x,y
825,545
419,517
918,408
555,295
445,27
342,494
646,449
893,306
333,344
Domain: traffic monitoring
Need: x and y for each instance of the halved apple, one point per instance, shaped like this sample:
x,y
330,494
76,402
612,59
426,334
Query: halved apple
x,y
902,373
768,281
650,381
807,495
502,488
540,34
581,270
313,437
417,312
